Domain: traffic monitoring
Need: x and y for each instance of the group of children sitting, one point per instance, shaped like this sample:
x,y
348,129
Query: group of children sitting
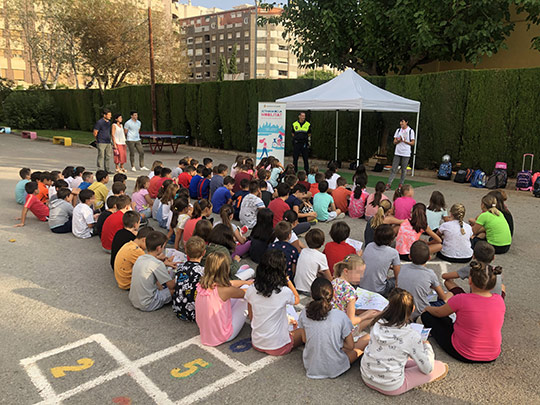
x,y
198,207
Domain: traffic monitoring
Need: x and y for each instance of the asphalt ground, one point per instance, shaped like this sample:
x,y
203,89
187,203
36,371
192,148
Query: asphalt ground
x,y
68,333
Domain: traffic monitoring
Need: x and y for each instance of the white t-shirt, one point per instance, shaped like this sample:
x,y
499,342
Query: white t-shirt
x,y
83,215
248,210
310,262
292,239
455,244
402,149
270,325
332,181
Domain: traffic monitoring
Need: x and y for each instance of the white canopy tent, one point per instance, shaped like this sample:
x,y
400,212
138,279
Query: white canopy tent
x,y
350,91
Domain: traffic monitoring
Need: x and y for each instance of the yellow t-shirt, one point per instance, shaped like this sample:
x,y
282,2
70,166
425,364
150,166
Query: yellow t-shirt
x,y
123,264
100,191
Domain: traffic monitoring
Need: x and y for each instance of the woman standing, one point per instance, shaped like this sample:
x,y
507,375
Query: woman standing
x,y
119,143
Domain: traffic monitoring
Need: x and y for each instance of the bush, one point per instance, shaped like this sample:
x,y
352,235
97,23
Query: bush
x,y
31,110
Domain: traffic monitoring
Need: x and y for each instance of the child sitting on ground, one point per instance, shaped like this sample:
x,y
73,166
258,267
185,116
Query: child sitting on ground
x,y
396,360
275,172
374,199
187,278
380,257
357,203
278,205
131,221
327,333
324,206
261,235
475,336
61,211
311,262
456,237
118,188
182,164
250,205
100,189
155,164
297,203
491,225
313,170
201,210
241,175
282,231
44,183
114,222
83,215
184,178
314,189
266,195
218,178
180,215
242,243
88,179
346,273
32,204
20,192
141,198
403,205
151,284
127,256
267,299
203,188
436,211
484,254
338,249
238,197
341,195
219,307
292,218
418,280
102,217
302,179
222,195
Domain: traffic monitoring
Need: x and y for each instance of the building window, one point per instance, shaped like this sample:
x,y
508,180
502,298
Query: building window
x,y
189,40
198,20
190,52
246,59
246,33
246,47
229,48
190,64
282,72
207,50
198,76
198,40
206,74
198,52
207,62
283,48
238,34
207,19
214,37
229,35
213,49
233,15
221,49
221,37
206,38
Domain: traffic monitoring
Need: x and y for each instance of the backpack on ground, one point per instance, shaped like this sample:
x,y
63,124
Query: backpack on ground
x,y
478,179
468,175
499,177
460,176
536,185
445,171
524,177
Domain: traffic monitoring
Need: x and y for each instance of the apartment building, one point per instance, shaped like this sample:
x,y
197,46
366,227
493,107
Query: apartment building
x,y
210,36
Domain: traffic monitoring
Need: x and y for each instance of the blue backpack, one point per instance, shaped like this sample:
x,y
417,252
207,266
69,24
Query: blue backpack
x,y
478,179
445,171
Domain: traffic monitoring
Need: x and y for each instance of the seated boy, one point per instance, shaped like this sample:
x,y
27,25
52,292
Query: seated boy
x,y
341,195
302,179
250,205
83,215
131,221
114,222
36,207
379,257
314,188
88,179
20,192
194,182
185,177
222,195
418,280
241,174
324,206
278,206
483,253
208,163
203,188
218,178
339,249
311,263
151,284
100,189
296,203
182,164
283,231
43,187
77,177
118,188
238,197
102,217
61,211
127,256
187,277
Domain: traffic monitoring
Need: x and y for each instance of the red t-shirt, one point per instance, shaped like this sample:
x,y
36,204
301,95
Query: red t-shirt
x,y
278,207
40,210
336,252
305,184
189,228
314,189
238,178
340,196
155,184
477,330
111,225
184,179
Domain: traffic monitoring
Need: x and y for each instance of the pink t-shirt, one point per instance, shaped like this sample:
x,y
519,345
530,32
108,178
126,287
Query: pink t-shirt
x,y
406,237
370,209
403,207
477,330
138,198
357,207
213,316
189,228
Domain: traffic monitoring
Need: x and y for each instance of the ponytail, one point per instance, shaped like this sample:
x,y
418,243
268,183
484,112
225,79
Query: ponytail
x,y
199,207
458,212
322,293
490,202
378,219
380,187
418,217
225,213
179,206
484,276
350,262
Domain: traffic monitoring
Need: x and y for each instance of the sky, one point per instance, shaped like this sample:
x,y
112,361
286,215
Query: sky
x,y
225,4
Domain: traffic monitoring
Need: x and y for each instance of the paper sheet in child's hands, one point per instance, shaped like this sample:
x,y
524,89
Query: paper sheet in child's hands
x,y
176,255
424,332
356,244
292,315
369,300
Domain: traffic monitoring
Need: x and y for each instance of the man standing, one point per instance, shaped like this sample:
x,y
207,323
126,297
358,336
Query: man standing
x,y
102,133
132,129
404,140
301,133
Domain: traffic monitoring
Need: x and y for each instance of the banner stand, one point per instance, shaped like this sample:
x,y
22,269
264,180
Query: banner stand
x,y
271,131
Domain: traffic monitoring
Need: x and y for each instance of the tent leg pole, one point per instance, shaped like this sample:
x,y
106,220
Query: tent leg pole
x,y
337,124
359,136
415,143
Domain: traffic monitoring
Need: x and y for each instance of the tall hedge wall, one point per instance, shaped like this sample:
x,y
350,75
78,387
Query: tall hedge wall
x,y
477,116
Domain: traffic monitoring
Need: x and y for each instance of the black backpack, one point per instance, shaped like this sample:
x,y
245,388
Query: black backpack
x,y
498,179
461,176
536,187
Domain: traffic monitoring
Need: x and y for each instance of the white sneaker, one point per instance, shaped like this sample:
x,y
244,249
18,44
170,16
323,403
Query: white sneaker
x,y
144,168
341,215
133,169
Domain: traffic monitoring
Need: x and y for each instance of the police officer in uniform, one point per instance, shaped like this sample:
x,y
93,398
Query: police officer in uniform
x,y
301,132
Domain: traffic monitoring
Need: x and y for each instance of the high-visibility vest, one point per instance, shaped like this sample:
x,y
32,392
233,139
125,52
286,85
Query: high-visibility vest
x,y
301,127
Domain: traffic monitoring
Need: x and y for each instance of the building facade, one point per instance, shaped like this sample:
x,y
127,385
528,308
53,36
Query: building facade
x,y
211,36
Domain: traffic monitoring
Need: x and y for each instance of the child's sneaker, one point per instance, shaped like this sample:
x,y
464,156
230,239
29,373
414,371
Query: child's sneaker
x,y
388,186
314,221
341,216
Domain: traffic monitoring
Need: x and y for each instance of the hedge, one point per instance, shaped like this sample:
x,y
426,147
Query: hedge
x,y
477,116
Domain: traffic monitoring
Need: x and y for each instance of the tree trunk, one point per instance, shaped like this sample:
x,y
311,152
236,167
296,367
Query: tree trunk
x,y
74,68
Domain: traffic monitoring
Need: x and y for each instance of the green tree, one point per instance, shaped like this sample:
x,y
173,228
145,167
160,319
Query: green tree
x,y
318,75
532,9
222,68
233,67
379,37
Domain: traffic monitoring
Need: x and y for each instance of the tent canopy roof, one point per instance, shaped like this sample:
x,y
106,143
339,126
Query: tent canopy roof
x,y
349,91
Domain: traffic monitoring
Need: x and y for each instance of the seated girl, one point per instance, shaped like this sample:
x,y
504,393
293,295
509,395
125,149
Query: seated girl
x,y
242,243
436,210
411,230
357,203
262,234
492,226
456,237
374,199
383,216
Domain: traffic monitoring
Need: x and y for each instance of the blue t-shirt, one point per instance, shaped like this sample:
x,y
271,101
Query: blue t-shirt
x,y
220,197
203,188
193,184
294,201
215,183
238,197
321,202
133,129
291,254
84,185
104,131
20,192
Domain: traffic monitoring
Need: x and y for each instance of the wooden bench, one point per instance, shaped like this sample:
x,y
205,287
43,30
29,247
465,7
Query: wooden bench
x,y
59,140
28,135
157,140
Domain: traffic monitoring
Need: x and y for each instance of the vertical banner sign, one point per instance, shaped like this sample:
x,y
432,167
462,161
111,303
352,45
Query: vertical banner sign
x,y
271,131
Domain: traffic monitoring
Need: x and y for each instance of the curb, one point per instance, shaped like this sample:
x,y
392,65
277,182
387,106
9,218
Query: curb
x,y
46,139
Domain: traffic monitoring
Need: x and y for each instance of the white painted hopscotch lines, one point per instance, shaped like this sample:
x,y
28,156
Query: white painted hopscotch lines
x,y
133,370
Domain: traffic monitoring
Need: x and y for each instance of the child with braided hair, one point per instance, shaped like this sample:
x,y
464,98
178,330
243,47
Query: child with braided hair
x,y
456,236
492,226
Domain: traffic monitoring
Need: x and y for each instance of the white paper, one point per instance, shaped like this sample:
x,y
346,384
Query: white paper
x,y
369,300
419,328
176,255
356,244
292,315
